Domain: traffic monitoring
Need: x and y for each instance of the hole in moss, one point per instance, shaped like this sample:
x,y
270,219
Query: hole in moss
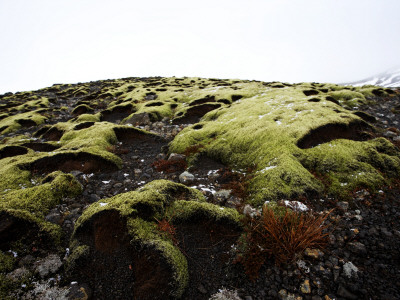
x,y
41,147
366,117
389,91
10,151
224,101
154,104
53,134
310,92
161,90
17,229
236,97
324,90
202,100
331,99
26,122
131,133
3,128
83,125
198,126
151,96
117,113
314,100
67,162
378,92
329,132
42,130
173,106
195,113
81,109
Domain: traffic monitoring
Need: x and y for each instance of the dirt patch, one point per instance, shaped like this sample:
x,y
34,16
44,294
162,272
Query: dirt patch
x,y
26,233
67,162
206,246
326,133
115,269
52,134
83,125
125,134
366,117
206,164
202,100
310,92
26,123
40,147
81,109
10,151
117,114
195,113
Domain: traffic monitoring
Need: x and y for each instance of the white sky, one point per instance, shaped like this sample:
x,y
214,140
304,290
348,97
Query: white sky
x,y
43,42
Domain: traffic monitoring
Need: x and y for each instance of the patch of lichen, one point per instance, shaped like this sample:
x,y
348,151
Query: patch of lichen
x,y
264,130
144,208
11,123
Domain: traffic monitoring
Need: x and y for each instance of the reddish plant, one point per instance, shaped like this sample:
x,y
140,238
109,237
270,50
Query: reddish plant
x,y
237,182
193,149
169,166
281,236
168,229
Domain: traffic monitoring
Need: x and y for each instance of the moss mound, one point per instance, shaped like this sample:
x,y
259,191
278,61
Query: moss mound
x,y
135,235
296,146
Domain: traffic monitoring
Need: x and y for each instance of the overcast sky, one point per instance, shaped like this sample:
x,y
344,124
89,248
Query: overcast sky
x,y
45,42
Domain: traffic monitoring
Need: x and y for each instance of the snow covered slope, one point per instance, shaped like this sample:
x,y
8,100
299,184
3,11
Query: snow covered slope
x,y
386,79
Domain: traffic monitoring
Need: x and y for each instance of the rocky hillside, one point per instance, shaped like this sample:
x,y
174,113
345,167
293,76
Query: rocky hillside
x,y
164,188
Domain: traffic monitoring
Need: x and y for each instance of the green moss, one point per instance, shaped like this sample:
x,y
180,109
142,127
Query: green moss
x,y
33,104
39,199
7,262
33,203
182,210
84,107
265,130
88,118
348,98
146,234
11,123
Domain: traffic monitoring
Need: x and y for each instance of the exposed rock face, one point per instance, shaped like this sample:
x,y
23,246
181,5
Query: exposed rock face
x,y
90,173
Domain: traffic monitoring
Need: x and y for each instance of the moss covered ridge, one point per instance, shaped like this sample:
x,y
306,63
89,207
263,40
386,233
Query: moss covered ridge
x,y
292,136
141,211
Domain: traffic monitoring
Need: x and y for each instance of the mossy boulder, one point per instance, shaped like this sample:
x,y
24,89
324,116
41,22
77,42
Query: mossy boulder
x,y
136,235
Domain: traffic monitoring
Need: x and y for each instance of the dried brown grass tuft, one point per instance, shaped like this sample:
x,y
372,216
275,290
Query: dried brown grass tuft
x,y
282,236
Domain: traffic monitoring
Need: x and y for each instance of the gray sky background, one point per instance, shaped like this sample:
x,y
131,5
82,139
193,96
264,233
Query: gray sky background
x,y
45,42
